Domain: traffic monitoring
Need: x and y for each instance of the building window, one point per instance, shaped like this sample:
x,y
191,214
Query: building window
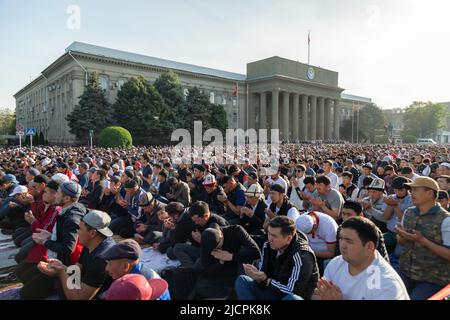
x,y
212,97
104,82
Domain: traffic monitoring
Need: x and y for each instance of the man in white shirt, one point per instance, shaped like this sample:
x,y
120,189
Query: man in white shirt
x,y
360,273
328,167
321,231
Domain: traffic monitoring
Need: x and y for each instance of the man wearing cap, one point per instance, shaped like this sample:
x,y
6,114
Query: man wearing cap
x,y
253,213
149,228
321,231
424,234
136,287
14,207
32,253
366,172
95,236
223,251
396,205
179,192
213,191
7,184
31,174
123,258
274,179
62,242
374,205
125,225
287,269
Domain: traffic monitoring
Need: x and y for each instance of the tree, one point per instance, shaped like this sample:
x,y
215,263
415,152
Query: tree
x,y
372,122
218,117
197,108
114,136
92,112
346,130
7,121
423,120
169,87
140,109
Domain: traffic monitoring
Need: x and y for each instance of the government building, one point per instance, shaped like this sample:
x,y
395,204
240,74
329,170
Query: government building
x,y
304,102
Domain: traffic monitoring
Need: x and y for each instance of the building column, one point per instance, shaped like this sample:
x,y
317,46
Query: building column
x,y
321,119
328,125
304,117
242,115
296,117
313,131
251,110
275,107
285,116
337,119
263,111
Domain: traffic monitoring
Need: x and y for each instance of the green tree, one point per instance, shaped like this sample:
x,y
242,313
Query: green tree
x,y
346,130
169,87
7,121
423,120
114,136
92,112
372,122
197,108
218,117
140,109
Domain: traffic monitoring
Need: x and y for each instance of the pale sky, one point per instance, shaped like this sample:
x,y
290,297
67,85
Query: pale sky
x,y
393,51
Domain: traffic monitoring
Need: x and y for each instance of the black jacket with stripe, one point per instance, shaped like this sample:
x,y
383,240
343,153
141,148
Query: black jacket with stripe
x,y
294,271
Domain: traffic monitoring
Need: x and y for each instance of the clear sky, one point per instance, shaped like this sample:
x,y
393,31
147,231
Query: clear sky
x,y
393,51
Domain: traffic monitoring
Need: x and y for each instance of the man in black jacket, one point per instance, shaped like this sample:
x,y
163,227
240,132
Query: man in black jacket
x,y
213,190
223,252
191,226
92,199
62,242
288,268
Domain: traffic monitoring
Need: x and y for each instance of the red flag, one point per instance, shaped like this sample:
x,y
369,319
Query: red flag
x,y
234,93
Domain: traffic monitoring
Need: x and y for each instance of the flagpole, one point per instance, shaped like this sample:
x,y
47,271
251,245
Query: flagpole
x,y
353,118
309,47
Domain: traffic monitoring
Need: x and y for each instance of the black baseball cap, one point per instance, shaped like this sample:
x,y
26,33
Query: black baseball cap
x,y
125,249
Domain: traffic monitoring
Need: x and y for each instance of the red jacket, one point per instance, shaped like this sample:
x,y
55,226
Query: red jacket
x,y
45,222
38,207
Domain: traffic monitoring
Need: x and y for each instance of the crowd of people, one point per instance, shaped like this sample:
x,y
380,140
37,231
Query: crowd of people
x,y
335,221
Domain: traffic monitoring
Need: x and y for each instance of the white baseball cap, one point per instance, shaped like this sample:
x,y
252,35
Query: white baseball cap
x,y
18,190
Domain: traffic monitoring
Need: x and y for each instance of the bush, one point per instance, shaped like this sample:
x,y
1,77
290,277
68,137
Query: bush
x,y
409,139
114,136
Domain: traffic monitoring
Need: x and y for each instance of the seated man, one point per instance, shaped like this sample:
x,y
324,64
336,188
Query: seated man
x,y
279,205
374,204
354,209
179,192
360,273
95,236
253,212
288,268
149,228
326,199
199,218
321,231
123,258
223,251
